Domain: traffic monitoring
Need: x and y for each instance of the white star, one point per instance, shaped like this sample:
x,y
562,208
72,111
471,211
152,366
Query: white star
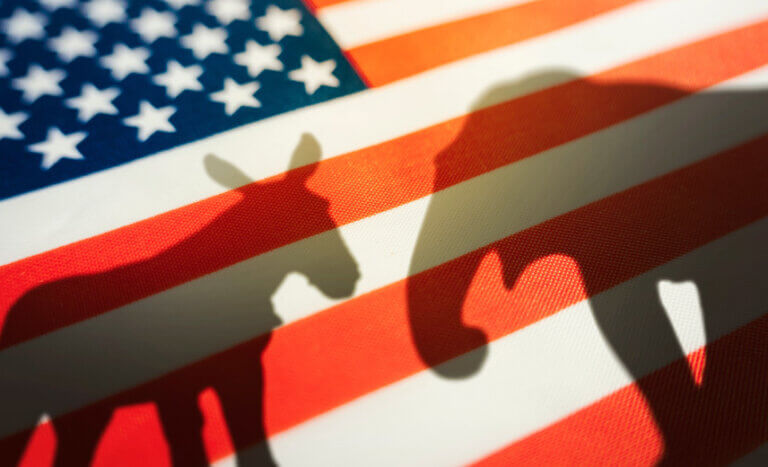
x,y
123,61
280,23
72,43
39,82
5,57
315,74
92,101
227,11
56,4
103,12
152,24
204,41
24,25
58,146
151,119
258,58
9,124
179,4
178,79
235,95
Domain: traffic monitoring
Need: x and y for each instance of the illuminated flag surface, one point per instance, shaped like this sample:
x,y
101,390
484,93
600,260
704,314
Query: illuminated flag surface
x,y
383,232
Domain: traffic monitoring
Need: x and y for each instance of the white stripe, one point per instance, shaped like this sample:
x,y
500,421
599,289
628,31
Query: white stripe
x,y
682,303
42,220
222,309
532,378
363,21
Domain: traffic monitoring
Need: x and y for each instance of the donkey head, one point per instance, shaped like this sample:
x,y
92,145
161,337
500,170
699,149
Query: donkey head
x,y
323,259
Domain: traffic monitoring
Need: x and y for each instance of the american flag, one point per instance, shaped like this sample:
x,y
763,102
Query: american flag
x,y
383,232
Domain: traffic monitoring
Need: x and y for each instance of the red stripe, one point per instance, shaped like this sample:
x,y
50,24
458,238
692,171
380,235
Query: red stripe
x,y
308,371
717,423
398,57
70,284
315,5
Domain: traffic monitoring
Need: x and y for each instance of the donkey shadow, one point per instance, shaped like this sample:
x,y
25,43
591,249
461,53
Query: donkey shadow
x,y
696,419
152,337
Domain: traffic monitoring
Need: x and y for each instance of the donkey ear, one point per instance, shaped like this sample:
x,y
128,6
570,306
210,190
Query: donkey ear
x,y
307,152
224,173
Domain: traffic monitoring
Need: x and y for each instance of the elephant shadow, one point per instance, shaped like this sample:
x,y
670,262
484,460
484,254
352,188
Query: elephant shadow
x,y
712,420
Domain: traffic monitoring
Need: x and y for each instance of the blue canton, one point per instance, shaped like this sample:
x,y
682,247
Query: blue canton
x,y
85,86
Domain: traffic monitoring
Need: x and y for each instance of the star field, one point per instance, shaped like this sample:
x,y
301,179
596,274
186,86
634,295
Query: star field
x,y
89,85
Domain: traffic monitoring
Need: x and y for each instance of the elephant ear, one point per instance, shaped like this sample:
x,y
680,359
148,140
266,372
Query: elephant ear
x,y
306,154
224,173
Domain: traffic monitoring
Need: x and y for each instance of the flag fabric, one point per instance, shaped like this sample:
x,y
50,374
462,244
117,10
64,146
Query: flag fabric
x,y
106,82
383,232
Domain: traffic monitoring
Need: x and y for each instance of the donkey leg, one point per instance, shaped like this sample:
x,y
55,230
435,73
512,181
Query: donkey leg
x,y
241,396
183,425
14,447
78,438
